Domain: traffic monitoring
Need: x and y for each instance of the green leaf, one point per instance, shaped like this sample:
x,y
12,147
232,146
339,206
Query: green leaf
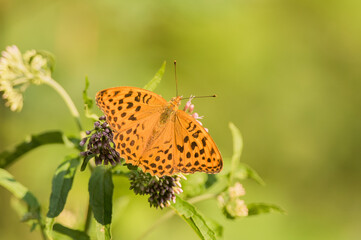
x,y
34,141
244,171
205,229
195,184
103,231
216,227
100,194
156,79
88,102
258,208
21,192
62,183
85,161
73,234
237,149
49,224
211,180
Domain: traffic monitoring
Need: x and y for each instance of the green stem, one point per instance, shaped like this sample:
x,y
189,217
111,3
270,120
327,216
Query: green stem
x,y
41,225
170,214
87,219
89,210
57,87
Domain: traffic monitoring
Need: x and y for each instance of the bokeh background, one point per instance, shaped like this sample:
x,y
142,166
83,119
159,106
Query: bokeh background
x,y
287,73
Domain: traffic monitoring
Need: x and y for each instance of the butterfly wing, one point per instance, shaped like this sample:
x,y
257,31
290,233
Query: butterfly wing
x,y
159,157
182,145
195,149
132,113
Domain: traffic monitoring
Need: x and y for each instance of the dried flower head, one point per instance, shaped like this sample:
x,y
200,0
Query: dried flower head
x,y
161,191
100,144
18,71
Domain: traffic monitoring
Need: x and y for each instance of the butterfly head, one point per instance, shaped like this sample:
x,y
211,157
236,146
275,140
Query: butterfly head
x,y
175,102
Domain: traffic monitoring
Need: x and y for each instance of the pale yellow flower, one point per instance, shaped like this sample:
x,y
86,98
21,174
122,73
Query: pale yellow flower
x,y
237,190
18,71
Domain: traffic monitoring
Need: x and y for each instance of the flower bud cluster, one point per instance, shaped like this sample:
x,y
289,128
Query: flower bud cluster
x,y
18,71
161,190
100,144
231,203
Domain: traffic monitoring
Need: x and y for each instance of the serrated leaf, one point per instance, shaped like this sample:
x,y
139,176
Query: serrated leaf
x,y
237,149
152,84
61,185
204,228
34,141
100,194
88,102
258,208
22,193
73,234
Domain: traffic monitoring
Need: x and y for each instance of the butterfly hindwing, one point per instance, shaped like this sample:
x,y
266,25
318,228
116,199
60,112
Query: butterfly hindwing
x,y
196,150
159,156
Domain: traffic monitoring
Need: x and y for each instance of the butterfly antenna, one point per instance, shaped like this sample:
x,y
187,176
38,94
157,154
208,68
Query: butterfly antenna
x,y
176,79
201,96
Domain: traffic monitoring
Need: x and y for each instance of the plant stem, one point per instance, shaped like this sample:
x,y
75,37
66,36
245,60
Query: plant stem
x,y
87,219
89,210
42,229
170,214
202,197
57,87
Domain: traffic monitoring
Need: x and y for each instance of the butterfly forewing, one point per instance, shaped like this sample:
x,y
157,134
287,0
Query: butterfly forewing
x,y
196,150
132,113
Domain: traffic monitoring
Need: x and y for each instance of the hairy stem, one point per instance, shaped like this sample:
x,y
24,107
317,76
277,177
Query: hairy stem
x,y
170,214
73,110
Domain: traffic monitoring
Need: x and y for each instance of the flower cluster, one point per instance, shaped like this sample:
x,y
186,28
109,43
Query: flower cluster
x,y
161,190
18,71
100,144
231,203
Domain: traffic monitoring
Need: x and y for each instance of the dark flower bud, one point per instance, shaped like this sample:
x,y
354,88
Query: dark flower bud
x,y
100,143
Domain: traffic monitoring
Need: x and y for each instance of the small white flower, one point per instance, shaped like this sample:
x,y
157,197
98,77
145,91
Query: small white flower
x,y
18,71
236,191
241,209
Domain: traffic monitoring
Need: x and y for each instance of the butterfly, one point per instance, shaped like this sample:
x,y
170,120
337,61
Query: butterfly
x,y
155,135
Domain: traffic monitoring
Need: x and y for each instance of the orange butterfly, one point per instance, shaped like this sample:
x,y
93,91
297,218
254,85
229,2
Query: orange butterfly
x,y
155,135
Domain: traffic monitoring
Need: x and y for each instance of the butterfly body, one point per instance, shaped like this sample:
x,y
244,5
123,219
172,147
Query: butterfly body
x,y
155,135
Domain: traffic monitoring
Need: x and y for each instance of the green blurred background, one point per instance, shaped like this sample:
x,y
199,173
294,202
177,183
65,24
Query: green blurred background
x,y
287,73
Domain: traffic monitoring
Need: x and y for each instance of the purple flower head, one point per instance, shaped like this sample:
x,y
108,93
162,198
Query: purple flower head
x,y
161,190
100,144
